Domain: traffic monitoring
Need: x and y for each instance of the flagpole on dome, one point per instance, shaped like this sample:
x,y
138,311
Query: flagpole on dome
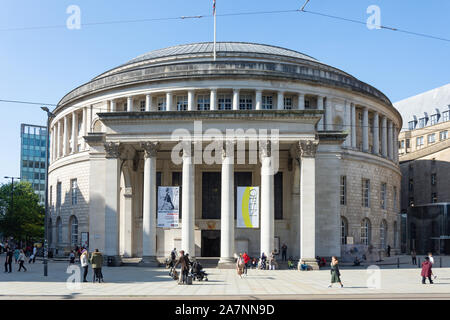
x,y
214,14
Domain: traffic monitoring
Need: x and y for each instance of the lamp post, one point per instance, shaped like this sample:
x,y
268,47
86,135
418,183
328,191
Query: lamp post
x,y
49,116
12,191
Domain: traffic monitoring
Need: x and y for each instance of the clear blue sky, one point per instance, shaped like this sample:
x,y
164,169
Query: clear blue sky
x,y
44,64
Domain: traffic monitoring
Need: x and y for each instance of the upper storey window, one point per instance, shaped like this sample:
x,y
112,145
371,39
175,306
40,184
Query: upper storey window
x,y
161,103
411,125
142,105
433,119
245,102
224,102
203,102
421,122
267,102
445,116
287,103
182,103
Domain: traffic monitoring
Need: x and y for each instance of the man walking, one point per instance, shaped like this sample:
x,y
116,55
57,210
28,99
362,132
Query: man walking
x,y
283,252
8,261
246,261
21,260
413,257
97,262
430,256
84,263
184,262
33,255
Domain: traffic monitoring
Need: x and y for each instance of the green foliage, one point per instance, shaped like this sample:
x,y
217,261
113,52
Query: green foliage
x,y
24,220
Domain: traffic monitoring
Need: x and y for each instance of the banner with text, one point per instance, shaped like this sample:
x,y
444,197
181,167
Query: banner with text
x,y
247,207
168,207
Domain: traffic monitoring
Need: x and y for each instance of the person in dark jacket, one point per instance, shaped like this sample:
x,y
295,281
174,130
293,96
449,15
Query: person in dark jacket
x,y
9,259
184,262
335,274
426,270
97,262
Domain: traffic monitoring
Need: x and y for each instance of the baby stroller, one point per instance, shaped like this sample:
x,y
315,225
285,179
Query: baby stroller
x,y
198,273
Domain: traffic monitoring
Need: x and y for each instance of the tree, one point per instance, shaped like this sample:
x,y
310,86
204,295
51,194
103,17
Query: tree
x,y
24,221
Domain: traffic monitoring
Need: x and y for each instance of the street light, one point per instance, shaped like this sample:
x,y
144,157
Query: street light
x,y
49,116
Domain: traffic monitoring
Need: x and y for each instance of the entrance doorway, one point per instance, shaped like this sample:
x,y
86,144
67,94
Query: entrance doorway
x,y
210,243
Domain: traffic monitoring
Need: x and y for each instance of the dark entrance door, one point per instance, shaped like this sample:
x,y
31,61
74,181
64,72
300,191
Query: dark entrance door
x,y
210,243
211,195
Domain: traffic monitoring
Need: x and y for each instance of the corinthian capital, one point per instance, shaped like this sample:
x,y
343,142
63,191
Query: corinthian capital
x,y
265,148
150,148
307,148
112,149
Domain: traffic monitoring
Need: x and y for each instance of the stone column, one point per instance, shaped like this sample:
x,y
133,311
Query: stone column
x,y
267,199
307,152
112,186
353,126
390,140
74,132
130,106
126,225
395,143
348,124
258,100
148,102
213,99
235,99
301,101
227,206
149,205
65,137
113,105
84,127
89,119
328,115
280,100
58,140
365,129
188,202
376,134
169,101
320,107
384,136
191,102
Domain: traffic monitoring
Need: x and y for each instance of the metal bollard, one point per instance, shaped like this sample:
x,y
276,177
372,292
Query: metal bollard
x,y
440,262
418,264
398,263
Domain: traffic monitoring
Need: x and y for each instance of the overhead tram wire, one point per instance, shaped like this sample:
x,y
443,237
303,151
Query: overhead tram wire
x,y
302,10
103,110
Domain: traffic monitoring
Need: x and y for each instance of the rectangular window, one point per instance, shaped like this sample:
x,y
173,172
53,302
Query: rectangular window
x,y
366,193
278,192
445,116
433,119
443,135
245,102
434,197
161,103
267,102
287,103
411,125
343,190
203,102
395,198
383,196
408,143
419,142
433,179
421,122
74,191
182,103
224,102
58,197
307,104
402,144
431,138
142,105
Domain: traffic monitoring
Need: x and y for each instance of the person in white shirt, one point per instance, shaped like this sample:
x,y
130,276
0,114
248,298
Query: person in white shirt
x,y
430,255
84,263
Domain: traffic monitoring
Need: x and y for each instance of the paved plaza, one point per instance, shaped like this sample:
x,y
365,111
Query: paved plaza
x,y
154,283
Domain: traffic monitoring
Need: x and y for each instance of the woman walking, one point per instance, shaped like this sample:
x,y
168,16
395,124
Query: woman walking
x,y
335,274
240,265
426,270
21,260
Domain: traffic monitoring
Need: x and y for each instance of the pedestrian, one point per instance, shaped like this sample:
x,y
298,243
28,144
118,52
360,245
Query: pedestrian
x,y
272,261
254,264
240,265
263,261
184,262
388,250
34,253
96,261
16,254
283,251
8,260
413,257
335,274
426,270
430,255
84,263
71,257
21,260
246,261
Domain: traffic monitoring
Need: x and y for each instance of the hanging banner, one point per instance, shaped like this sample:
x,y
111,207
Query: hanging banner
x,y
168,207
247,207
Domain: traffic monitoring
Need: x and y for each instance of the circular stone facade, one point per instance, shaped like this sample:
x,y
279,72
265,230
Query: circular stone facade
x,y
112,141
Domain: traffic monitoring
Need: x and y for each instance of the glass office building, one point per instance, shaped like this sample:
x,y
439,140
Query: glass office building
x,y
32,157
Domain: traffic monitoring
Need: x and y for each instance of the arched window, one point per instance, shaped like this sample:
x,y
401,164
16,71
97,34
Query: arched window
x,y
58,230
383,233
73,231
365,232
395,234
344,230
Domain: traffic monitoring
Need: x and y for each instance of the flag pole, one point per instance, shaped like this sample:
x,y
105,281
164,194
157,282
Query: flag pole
x,y
214,8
